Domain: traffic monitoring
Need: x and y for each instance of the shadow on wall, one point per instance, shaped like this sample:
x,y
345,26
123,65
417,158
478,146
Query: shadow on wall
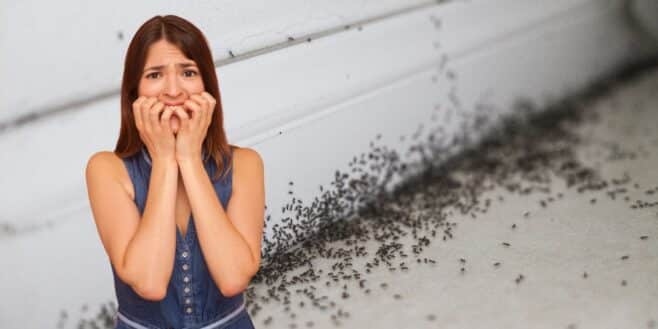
x,y
645,14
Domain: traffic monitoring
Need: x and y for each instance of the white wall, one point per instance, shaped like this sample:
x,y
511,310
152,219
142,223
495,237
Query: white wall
x,y
66,52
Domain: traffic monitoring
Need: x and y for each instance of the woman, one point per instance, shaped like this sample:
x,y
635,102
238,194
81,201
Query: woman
x,y
179,211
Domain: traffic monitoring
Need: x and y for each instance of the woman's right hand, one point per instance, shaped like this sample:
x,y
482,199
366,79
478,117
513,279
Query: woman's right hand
x,y
154,129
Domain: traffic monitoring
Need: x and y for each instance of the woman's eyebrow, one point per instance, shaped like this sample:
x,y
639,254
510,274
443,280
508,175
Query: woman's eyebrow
x,y
159,67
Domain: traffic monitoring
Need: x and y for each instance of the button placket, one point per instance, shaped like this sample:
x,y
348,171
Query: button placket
x,y
187,279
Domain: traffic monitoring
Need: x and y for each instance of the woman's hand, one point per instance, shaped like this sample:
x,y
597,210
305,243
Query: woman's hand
x,y
194,126
154,129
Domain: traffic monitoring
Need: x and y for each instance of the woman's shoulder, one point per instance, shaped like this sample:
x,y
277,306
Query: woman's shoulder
x,y
245,156
110,164
247,163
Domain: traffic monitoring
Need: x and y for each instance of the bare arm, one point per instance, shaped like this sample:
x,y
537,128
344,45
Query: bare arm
x,y
141,250
230,240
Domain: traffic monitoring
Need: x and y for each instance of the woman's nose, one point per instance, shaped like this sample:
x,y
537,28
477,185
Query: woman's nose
x,y
171,87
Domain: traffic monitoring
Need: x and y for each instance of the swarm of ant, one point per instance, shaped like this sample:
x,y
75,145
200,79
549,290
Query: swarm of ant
x,y
522,153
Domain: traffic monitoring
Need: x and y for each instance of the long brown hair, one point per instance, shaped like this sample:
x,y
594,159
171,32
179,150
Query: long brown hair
x,y
191,41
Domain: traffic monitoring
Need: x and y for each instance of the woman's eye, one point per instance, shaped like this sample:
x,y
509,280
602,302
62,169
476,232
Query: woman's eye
x,y
188,73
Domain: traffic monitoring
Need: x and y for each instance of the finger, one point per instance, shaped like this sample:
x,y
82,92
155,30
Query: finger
x,y
139,100
149,102
164,119
202,101
183,116
208,96
212,102
144,109
194,107
166,114
154,114
209,114
205,107
137,113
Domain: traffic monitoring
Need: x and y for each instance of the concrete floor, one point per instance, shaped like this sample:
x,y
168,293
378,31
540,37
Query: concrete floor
x,y
588,259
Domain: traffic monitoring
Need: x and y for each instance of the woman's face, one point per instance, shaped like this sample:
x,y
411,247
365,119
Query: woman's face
x,y
170,77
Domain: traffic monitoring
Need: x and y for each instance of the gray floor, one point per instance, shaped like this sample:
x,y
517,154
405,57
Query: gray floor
x,y
588,259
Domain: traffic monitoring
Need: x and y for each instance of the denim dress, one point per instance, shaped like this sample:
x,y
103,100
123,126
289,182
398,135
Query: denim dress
x,y
193,301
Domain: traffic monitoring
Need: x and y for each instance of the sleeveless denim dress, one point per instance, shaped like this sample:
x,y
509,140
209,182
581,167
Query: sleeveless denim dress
x,y
193,301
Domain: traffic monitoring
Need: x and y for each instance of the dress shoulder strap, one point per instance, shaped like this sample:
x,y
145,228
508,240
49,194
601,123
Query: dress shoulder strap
x,y
137,177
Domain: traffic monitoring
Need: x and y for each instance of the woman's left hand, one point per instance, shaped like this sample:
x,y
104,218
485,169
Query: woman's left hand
x,y
195,119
